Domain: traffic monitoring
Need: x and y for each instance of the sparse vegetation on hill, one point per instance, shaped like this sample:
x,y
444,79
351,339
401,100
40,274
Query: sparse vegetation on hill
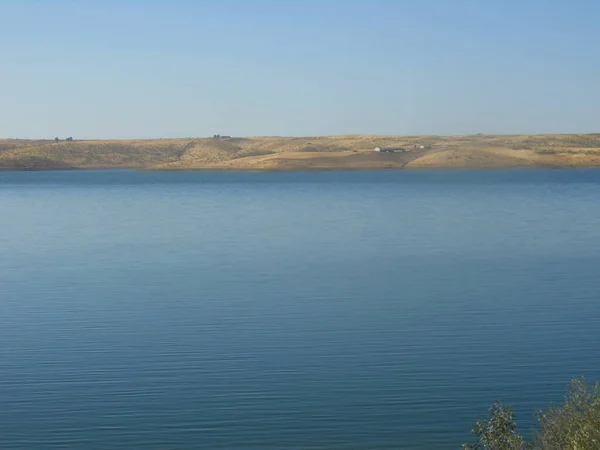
x,y
305,153
45,155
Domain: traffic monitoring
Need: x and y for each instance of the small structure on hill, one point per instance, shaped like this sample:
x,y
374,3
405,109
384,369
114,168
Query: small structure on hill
x,y
218,136
390,150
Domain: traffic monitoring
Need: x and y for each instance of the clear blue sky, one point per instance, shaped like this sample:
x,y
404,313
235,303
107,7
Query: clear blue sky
x,y
120,69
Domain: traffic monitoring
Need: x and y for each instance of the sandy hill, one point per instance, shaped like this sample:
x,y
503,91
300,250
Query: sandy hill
x,y
306,153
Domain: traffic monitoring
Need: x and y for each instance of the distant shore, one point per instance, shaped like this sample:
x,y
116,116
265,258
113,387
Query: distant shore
x,y
335,153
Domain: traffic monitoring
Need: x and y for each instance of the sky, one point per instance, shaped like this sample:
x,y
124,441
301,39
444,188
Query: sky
x,y
151,69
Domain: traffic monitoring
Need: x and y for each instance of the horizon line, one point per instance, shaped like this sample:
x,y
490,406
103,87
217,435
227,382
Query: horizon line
x,y
64,139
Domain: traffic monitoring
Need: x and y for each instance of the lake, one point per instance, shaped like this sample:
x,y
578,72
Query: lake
x,y
362,310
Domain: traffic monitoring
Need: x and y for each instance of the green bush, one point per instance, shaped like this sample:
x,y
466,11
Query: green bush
x,y
573,426
576,424
499,432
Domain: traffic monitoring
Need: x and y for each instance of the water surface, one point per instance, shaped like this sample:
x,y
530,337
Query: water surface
x,y
355,310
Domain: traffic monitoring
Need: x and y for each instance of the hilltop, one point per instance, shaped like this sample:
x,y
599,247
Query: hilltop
x,y
348,152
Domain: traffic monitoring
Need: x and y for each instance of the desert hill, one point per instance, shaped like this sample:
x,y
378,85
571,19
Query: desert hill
x,y
348,152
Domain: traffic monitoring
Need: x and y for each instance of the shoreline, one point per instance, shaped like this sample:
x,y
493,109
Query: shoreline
x,y
306,170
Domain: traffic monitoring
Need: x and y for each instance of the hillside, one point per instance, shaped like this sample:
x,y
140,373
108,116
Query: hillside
x,y
351,152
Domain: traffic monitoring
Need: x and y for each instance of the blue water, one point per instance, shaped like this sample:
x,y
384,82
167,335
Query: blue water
x,y
290,310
